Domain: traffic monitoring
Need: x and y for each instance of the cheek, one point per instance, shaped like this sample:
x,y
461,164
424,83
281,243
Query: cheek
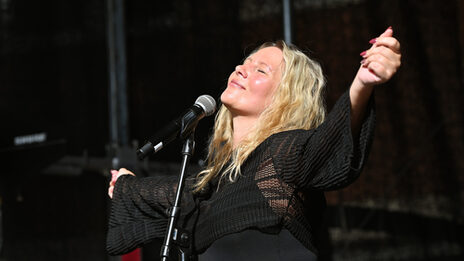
x,y
264,88
261,85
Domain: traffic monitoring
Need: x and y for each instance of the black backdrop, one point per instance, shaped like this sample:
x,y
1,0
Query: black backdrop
x,y
407,205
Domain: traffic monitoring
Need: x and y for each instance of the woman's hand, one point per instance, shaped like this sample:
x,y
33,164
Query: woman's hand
x,y
381,61
115,174
379,64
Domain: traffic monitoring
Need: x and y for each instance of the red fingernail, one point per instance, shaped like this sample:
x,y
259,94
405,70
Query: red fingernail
x,y
390,28
373,40
363,53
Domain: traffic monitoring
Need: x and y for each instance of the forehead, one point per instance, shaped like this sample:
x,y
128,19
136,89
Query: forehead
x,y
272,56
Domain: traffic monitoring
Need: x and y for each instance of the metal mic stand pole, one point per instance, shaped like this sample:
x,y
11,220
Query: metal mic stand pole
x,y
172,233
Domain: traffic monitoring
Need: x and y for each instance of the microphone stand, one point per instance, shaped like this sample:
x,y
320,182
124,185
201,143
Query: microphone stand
x,y
179,236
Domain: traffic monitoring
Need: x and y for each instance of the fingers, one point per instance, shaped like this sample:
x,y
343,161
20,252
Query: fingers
x,y
114,177
390,43
387,40
381,72
388,32
115,174
382,67
384,57
124,171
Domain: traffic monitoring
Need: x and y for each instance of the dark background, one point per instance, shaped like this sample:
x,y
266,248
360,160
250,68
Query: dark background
x,y
407,204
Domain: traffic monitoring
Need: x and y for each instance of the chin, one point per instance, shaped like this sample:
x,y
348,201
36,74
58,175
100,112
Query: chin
x,y
228,102
226,97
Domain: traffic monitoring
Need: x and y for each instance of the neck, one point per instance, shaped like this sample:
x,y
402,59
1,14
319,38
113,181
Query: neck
x,y
242,126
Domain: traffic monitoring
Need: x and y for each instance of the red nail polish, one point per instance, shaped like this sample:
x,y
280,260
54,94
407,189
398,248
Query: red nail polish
x,y
363,53
373,40
390,28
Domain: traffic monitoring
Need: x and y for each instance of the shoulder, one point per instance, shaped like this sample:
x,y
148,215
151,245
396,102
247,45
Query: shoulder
x,y
282,143
290,137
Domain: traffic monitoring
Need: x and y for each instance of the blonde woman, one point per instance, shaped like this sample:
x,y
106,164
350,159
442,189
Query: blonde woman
x,y
272,155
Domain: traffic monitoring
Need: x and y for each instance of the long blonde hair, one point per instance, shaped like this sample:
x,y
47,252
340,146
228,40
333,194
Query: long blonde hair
x,y
296,104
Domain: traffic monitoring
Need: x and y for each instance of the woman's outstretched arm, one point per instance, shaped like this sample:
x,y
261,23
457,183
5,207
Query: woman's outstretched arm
x,y
379,64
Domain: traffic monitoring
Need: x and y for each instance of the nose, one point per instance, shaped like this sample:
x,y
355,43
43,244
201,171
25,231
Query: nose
x,y
240,70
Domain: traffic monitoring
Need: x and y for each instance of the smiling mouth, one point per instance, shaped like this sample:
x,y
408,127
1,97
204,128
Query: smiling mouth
x,y
237,85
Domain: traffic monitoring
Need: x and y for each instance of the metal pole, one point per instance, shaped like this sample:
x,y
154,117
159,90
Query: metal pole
x,y
187,151
117,95
112,93
120,44
117,74
287,15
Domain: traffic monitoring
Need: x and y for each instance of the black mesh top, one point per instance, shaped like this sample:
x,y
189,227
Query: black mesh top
x,y
281,186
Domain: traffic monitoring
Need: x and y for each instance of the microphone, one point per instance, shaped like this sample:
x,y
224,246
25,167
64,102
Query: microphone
x,y
181,127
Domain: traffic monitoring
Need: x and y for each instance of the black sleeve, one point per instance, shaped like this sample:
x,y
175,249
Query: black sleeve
x,y
327,157
139,210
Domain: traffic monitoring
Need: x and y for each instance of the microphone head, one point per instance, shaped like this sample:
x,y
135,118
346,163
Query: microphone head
x,y
207,103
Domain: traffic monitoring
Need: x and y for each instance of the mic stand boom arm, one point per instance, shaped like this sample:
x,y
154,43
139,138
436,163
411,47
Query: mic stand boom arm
x,y
182,238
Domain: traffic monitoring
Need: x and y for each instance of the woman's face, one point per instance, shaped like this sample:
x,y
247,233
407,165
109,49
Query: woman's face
x,y
251,86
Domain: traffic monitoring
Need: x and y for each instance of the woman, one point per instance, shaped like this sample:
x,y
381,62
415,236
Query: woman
x,y
272,155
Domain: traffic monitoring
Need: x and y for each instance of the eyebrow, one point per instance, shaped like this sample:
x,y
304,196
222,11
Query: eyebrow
x,y
260,63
